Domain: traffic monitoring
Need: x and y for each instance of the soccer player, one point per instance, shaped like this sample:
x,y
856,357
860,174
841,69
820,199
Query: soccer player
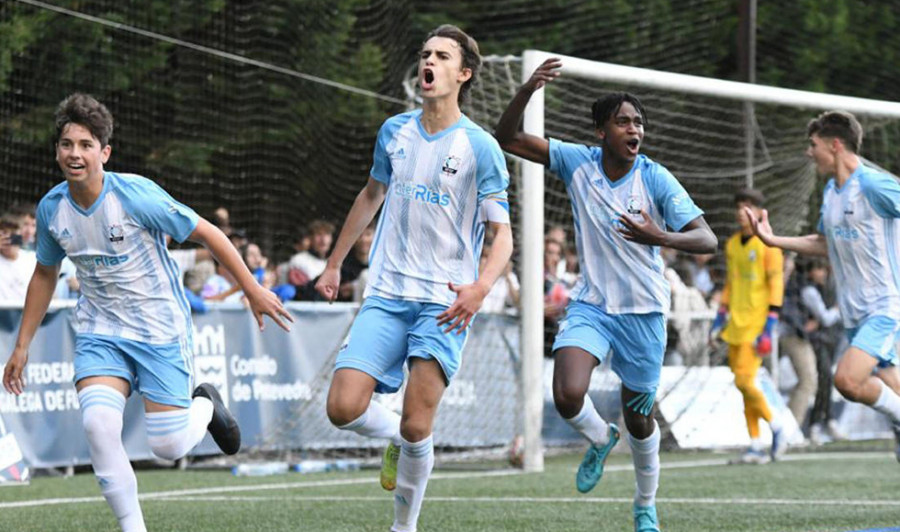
x,y
622,201
858,230
750,305
133,326
441,178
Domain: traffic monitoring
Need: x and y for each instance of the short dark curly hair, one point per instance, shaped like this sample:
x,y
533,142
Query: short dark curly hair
x,y
86,111
750,195
837,125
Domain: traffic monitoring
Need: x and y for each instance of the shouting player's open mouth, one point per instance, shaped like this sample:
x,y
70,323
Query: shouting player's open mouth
x,y
427,79
633,146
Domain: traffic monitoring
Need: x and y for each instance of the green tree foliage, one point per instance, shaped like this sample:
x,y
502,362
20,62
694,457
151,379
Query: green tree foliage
x,y
280,150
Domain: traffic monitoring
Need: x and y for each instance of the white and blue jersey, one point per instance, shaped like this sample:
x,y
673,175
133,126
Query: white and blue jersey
x,y
130,285
619,277
441,189
861,223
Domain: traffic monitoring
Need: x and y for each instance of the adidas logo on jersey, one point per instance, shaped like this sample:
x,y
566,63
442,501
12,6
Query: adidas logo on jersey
x,y
65,234
397,155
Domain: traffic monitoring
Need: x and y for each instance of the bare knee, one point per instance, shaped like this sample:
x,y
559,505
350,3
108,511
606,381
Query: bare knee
x,y
343,410
568,398
639,426
849,387
415,428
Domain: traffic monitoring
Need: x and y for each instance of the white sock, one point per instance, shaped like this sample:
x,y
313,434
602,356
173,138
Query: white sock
x,y
776,422
378,421
756,444
101,415
589,423
645,455
171,434
888,403
413,470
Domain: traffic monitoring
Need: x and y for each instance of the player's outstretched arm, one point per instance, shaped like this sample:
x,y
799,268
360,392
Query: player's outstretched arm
x,y
813,244
469,297
37,299
508,134
694,237
366,204
261,301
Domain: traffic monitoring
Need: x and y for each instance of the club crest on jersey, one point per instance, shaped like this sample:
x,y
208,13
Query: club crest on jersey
x,y
116,233
451,165
633,205
752,255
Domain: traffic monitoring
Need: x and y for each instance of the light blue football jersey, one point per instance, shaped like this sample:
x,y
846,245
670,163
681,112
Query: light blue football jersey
x,y
130,284
441,189
619,276
861,223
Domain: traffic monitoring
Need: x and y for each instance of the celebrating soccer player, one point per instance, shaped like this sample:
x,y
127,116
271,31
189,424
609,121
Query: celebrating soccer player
x,y
132,322
622,202
440,178
858,230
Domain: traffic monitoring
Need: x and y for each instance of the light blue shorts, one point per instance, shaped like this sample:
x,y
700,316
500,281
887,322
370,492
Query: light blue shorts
x,y
636,341
877,336
161,373
388,332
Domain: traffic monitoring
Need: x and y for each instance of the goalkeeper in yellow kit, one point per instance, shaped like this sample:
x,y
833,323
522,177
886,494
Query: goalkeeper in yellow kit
x,y
747,318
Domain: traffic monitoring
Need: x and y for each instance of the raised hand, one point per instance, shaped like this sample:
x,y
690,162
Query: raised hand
x,y
547,72
761,227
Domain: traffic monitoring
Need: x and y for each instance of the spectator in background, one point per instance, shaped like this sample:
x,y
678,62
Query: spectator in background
x,y
222,219
238,238
25,212
195,266
556,296
307,265
255,261
569,275
558,233
301,244
826,333
353,267
258,264
793,341
69,288
504,295
701,274
221,286
689,345
16,264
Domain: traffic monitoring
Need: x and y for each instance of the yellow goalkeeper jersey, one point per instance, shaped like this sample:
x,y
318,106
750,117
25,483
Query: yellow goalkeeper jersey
x,y
755,280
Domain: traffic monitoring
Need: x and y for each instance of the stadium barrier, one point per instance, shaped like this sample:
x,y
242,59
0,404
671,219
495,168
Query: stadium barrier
x,y
276,384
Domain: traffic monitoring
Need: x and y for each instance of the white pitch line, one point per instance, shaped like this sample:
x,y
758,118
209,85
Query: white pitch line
x,y
250,487
449,476
551,500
